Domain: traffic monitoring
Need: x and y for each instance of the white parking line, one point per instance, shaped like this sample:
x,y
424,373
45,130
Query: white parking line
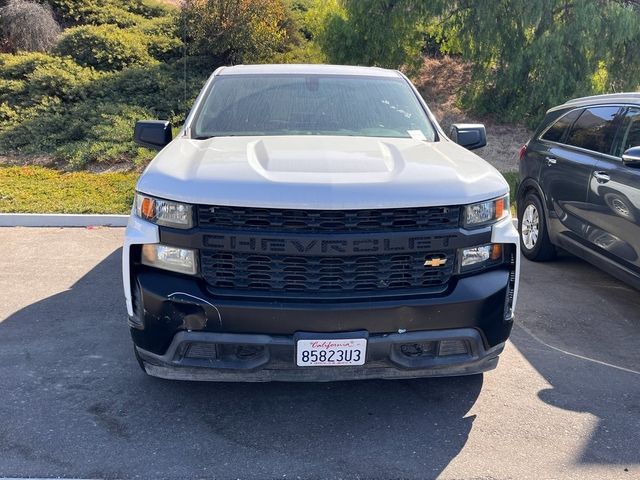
x,y
582,357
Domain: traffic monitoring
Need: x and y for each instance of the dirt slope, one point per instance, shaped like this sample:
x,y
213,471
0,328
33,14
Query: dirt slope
x,y
440,81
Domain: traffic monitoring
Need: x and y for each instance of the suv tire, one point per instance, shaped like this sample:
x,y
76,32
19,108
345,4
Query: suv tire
x,y
532,225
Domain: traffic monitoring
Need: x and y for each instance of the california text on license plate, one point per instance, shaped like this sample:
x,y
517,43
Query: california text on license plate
x,y
331,353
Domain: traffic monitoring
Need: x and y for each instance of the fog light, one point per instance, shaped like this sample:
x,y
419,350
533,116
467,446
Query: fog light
x,y
471,256
418,349
480,257
245,352
181,260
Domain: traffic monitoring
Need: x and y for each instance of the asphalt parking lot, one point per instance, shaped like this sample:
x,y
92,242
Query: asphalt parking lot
x,y
563,403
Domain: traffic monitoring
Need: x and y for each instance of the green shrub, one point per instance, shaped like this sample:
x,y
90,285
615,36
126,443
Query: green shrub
x,y
104,47
111,15
78,115
159,89
66,80
164,48
7,114
107,131
26,79
12,91
237,31
124,13
85,133
18,66
150,8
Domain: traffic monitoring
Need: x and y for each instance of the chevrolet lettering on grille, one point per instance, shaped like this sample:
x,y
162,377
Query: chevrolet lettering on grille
x,y
325,246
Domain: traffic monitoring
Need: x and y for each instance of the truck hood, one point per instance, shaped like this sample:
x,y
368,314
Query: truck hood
x,y
320,172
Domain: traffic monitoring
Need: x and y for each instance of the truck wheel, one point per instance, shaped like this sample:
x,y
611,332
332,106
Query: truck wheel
x,y
534,237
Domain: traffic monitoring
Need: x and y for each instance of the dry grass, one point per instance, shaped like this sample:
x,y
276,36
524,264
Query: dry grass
x,y
440,82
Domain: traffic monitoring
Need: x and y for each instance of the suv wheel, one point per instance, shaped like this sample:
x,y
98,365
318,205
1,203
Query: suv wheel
x,y
534,238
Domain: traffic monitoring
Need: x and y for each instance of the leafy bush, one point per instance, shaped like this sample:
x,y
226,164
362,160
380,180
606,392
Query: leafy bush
x,y
94,12
27,26
66,80
26,79
104,47
121,61
55,107
150,8
87,132
362,32
18,66
236,31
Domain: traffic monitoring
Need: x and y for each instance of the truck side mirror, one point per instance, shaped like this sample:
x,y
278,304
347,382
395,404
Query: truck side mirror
x,y
631,158
154,134
469,135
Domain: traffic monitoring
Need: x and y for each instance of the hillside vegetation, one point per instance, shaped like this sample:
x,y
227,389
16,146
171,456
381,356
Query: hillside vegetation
x,y
77,74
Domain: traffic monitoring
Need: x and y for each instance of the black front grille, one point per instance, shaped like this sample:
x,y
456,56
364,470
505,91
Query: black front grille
x,y
330,275
315,253
380,220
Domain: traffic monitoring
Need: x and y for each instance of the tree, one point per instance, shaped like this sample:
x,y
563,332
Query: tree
x,y
531,54
235,31
27,26
385,33
527,55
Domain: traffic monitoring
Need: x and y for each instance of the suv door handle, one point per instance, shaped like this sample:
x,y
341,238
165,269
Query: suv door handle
x,y
551,161
602,177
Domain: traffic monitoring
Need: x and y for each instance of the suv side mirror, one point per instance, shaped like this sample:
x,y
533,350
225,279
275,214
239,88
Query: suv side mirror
x,y
153,133
631,158
469,135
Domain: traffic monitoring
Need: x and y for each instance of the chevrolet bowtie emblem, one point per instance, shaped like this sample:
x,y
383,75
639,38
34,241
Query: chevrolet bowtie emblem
x,y
435,262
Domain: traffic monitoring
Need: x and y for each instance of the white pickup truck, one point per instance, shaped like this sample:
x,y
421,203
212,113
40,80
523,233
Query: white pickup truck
x,y
314,223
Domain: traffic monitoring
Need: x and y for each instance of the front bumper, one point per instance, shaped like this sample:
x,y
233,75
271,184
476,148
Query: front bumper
x,y
178,312
263,358
170,311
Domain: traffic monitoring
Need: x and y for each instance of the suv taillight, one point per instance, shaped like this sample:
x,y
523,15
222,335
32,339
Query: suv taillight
x,y
523,151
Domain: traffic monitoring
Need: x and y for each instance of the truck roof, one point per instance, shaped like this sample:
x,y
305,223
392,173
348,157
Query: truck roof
x,y
301,69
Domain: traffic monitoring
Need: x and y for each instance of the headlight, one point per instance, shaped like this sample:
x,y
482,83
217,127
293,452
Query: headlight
x,y
484,213
164,212
477,258
181,260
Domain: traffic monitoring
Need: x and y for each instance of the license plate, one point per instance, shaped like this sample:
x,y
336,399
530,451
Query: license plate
x,y
331,353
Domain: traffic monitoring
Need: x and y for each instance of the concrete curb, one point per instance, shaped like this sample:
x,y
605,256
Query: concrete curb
x,y
61,220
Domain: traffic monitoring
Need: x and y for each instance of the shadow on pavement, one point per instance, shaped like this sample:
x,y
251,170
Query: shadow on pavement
x,y
574,308
74,403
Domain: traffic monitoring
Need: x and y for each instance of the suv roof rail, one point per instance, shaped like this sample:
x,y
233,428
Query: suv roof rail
x,y
610,96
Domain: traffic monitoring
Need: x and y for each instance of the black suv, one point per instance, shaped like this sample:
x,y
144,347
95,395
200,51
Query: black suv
x,y
580,184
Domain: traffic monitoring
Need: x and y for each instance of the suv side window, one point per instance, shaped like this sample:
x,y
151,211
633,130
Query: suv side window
x,y
595,129
629,135
555,132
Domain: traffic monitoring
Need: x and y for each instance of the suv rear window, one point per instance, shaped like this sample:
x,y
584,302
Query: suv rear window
x,y
557,130
595,129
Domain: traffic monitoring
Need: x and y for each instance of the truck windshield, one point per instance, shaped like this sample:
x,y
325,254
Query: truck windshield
x,y
247,105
